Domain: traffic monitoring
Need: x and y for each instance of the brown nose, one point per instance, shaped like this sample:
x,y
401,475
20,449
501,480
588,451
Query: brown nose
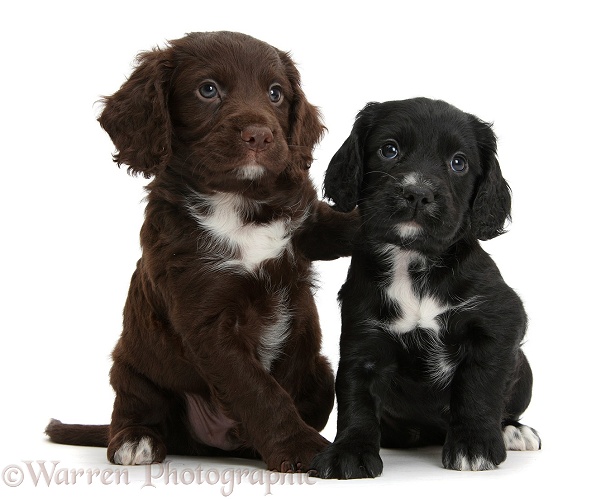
x,y
256,137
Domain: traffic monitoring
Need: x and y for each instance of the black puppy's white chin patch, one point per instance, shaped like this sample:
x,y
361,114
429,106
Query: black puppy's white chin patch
x,y
408,230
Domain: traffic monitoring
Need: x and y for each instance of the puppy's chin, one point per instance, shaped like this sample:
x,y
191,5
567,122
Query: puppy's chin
x,y
250,172
238,178
415,237
256,168
409,230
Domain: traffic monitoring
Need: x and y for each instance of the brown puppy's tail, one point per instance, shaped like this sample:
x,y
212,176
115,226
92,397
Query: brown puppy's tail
x,y
78,434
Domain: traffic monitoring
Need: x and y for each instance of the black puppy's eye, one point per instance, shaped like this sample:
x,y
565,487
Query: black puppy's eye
x,y
275,93
459,163
208,90
389,150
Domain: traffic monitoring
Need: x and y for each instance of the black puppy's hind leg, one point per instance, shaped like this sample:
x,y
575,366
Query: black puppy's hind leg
x,y
518,436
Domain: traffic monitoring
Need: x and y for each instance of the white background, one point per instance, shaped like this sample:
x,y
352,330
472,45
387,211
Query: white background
x,y
541,71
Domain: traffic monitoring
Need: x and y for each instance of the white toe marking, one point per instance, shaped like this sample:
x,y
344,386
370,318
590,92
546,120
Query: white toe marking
x,y
130,453
462,463
520,438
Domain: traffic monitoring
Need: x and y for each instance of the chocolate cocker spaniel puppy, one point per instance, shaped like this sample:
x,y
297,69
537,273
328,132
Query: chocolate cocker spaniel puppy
x,y
431,334
220,349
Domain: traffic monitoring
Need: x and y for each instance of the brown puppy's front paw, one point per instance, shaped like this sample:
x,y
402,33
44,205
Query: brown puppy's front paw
x,y
297,455
136,445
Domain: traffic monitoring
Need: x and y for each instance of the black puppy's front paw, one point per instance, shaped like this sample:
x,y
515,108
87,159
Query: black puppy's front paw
x,y
348,460
473,450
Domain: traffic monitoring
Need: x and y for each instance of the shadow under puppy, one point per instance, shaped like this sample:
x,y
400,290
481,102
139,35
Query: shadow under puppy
x,y
430,345
220,350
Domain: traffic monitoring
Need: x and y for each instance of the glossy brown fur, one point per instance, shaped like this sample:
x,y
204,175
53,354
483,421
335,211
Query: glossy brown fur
x,y
191,325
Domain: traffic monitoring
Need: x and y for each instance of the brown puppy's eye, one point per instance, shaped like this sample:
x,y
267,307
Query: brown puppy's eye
x,y
208,90
275,93
390,150
459,163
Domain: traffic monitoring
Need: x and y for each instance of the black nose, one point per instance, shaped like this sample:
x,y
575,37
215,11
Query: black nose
x,y
418,196
257,137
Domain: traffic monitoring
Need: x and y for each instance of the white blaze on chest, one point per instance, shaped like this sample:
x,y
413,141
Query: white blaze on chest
x,y
419,315
222,216
415,311
253,243
276,331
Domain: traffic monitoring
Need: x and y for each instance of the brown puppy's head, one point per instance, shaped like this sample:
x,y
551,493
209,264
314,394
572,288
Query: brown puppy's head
x,y
222,110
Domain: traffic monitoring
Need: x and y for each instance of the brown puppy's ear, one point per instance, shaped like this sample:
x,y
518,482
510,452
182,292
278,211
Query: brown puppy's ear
x,y
136,116
344,174
492,201
306,128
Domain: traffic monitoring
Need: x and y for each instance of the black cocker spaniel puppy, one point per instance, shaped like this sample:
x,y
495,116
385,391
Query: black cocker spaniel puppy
x,y
431,334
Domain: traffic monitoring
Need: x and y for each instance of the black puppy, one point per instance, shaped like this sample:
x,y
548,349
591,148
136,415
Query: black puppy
x,y
430,345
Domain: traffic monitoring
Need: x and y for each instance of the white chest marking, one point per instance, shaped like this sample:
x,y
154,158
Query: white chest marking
x,y
414,311
275,332
252,243
419,317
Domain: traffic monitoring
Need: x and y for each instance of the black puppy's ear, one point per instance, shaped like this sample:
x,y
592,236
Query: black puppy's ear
x,y
492,201
345,171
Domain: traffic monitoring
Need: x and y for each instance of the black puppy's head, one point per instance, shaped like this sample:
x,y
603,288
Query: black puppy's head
x,y
423,173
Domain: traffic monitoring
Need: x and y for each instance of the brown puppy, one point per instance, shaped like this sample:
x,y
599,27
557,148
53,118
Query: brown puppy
x,y
220,351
